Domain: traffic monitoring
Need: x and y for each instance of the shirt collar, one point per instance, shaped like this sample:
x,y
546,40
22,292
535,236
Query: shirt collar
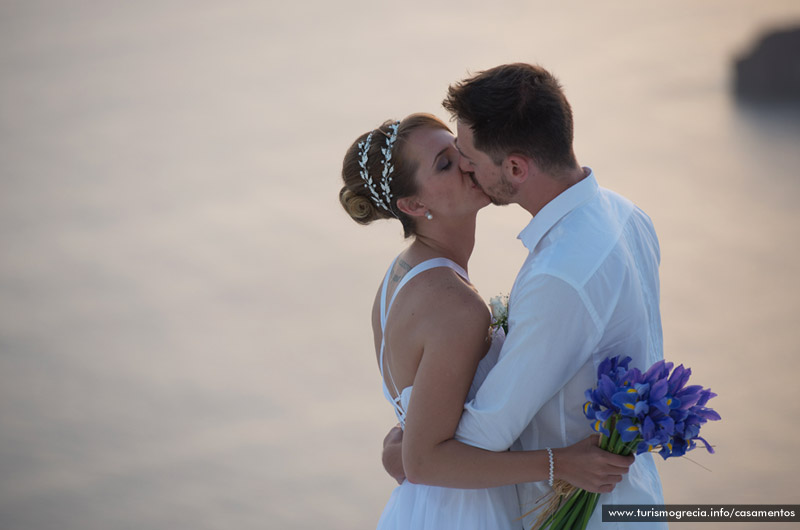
x,y
556,209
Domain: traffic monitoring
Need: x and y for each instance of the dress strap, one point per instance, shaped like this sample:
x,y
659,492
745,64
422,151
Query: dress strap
x,y
422,267
384,313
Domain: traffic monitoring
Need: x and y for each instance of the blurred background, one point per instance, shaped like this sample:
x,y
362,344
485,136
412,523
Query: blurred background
x,y
184,306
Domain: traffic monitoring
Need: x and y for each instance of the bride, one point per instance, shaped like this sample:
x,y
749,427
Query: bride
x,y
432,334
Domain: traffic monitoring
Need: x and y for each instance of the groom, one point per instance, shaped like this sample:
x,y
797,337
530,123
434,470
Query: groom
x,y
588,289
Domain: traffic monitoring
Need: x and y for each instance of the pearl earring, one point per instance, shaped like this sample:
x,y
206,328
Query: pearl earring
x,y
428,216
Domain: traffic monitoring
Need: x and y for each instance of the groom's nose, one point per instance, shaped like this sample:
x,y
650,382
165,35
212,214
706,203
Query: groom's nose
x,y
463,165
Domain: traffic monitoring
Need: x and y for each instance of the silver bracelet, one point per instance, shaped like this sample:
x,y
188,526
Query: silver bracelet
x,y
550,456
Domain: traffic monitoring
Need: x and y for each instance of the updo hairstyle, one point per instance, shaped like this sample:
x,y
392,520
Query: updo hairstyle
x,y
355,196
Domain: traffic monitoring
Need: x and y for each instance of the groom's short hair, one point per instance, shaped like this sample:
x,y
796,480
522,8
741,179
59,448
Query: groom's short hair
x,y
516,109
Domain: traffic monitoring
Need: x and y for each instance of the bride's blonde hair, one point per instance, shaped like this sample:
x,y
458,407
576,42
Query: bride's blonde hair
x,y
356,198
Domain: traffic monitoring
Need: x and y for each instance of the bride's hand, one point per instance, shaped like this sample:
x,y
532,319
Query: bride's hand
x,y
587,466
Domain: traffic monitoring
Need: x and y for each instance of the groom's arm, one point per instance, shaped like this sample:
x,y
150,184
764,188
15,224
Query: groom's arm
x,y
552,333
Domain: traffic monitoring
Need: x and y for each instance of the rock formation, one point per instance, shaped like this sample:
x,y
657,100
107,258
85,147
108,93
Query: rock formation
x,y
771,70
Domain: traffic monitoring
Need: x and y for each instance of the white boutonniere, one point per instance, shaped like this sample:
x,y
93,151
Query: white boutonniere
x,y
499,307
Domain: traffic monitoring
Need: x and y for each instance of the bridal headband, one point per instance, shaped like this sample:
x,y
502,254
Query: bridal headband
x,y
384,198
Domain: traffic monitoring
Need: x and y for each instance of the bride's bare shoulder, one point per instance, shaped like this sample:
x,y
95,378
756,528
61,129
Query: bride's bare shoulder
x,y
442,295
435,302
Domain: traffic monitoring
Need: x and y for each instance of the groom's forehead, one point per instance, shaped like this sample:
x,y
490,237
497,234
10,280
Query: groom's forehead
x,y
464,133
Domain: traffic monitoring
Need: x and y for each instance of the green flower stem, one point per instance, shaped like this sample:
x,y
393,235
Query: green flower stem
x,y
629,447
577,510
594,505
596,500
620,447
614,445
588,510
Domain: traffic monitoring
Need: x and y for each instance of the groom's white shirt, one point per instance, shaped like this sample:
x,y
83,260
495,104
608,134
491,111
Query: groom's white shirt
x,y
588,289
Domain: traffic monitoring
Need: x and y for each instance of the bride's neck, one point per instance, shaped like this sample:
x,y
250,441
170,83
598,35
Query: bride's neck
x,y
455,245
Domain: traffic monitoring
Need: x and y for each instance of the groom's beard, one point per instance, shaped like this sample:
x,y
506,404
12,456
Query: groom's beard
x,y
500,194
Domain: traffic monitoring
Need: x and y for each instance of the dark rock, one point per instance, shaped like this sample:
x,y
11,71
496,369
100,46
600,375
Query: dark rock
x,y
771,71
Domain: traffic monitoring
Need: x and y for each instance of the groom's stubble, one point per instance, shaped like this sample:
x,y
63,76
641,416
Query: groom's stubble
x,y
500,193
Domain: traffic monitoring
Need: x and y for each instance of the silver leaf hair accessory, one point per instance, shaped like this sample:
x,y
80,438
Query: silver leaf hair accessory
x,y
383,199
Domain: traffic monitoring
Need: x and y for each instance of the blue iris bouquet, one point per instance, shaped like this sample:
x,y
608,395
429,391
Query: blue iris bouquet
x,y
635,412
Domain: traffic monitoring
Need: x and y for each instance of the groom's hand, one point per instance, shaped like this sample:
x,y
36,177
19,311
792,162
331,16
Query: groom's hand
x,y
587,466
393,454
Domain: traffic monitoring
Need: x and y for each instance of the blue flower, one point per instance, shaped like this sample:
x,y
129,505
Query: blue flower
x,y
708,446
707,414
679,378
599,426
606,388
705,395
632,377
676,446
659,370
628,404
613,367
628,429
590,408
689,396
665,426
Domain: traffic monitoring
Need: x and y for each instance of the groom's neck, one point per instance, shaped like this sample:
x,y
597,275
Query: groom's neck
x,y
543,187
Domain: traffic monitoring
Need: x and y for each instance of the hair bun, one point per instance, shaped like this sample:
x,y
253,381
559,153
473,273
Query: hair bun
x,y
359,207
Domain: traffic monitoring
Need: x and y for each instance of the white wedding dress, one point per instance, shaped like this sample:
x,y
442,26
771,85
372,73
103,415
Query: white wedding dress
x,y
421,507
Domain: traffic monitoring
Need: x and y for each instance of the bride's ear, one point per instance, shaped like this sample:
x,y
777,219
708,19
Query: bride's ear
x,y
411,206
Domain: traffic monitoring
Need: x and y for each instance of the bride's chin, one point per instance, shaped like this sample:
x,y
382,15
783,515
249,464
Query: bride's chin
x,y
481,200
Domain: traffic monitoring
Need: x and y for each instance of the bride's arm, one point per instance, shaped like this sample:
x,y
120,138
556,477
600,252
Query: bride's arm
x,y
584,464
453,345
575,464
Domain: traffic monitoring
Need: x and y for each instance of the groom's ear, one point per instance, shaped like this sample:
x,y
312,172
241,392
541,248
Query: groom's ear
x,y
411,206
517,168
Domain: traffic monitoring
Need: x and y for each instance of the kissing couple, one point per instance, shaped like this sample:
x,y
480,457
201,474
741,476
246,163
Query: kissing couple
x,y
495,418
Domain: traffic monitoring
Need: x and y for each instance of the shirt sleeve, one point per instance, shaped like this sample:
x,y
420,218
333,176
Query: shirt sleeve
x,y
552,332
